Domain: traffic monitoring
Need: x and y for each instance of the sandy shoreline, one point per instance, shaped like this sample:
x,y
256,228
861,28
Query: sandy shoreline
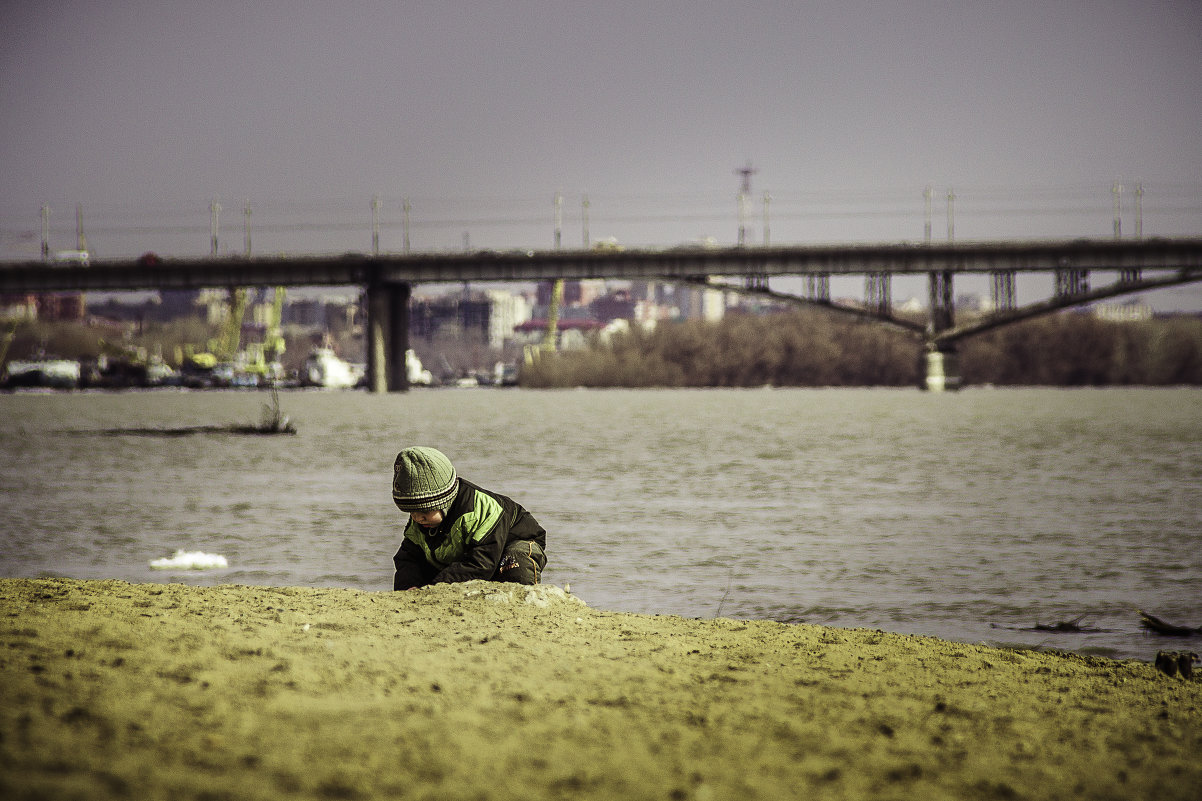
x,y
117,690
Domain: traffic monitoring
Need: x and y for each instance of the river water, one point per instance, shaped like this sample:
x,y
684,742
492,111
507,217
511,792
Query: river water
x,y
971,516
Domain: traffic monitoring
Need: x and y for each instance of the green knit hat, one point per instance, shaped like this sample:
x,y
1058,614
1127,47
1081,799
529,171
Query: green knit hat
x,y
423,478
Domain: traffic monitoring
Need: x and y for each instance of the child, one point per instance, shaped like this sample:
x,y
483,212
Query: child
x,y
458,531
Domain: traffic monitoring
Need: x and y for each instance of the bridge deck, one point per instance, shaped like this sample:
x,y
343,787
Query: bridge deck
x,y
152,272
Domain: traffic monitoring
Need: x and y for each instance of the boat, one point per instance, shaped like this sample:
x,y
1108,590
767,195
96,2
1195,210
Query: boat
x,y
417,375
323,368
52,373
505,374
326,369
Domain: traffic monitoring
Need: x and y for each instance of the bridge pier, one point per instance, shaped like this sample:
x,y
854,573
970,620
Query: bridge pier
x,y
940,363
941,368
387,337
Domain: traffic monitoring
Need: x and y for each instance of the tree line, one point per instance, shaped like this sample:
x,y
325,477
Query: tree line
x,y
811,347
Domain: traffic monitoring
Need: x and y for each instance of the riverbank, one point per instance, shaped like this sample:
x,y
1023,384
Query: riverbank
x,y
116,690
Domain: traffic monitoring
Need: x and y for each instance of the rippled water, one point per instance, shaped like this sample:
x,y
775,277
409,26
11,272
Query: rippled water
x,y
970,516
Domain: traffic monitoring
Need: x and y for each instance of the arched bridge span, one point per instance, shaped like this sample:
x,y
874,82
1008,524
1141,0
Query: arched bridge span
x,y
979,324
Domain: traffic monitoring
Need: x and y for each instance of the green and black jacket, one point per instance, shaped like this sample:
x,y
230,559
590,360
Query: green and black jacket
x,y
468,543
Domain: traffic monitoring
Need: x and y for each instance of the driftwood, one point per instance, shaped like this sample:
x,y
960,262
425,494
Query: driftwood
x,y
273,422
1070,627
182,431
1158,626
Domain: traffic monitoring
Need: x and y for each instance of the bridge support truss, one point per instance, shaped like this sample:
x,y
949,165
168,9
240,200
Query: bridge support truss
x,y
1071,283
878,293
1002,291
818,287
387,337
755,281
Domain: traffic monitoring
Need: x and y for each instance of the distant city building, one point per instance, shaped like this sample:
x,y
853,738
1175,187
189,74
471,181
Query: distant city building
x,y
654,292
61,306
507,312
698,303
648,314
590,291
68,306
215,305
573,331
306,313
176,303
1127,311
677,302
467,315
18,307
575,293
619,305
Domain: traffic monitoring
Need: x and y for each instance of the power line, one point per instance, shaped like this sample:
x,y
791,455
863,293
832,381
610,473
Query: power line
x,y
1175,205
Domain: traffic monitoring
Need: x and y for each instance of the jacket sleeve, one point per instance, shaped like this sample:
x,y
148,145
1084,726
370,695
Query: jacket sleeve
x,y
409,561
481,558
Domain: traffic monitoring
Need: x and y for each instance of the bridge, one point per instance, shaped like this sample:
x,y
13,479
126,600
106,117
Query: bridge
x,y
1139,264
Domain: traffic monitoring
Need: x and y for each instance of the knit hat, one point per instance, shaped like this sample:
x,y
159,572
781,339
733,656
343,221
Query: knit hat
x,y
423,478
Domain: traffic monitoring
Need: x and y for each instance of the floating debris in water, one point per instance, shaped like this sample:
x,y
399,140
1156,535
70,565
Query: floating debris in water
x,y
273,422
1161,627
1066,627
185,430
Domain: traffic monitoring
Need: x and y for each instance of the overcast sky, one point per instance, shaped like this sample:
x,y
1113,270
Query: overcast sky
x,y
479,112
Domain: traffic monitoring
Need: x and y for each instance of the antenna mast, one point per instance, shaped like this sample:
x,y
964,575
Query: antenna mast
x,y
744,190
45,231
81,240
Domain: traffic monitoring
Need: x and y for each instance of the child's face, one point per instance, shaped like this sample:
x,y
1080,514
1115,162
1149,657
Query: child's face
x,y
427,518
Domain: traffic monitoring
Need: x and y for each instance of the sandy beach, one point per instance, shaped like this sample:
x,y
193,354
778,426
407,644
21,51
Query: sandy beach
x,y
482,690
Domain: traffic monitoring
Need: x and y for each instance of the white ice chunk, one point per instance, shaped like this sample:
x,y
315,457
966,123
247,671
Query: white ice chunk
x,y
190,560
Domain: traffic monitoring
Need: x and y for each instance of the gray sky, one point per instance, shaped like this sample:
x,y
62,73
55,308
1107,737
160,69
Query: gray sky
x,y
480,112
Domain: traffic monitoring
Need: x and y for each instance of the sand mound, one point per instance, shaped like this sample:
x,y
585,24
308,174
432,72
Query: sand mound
x,y
541,595
484,690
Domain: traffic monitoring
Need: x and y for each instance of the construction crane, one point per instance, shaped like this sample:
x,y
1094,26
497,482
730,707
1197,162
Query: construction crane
x,y
225,347
273,340
7,341
264,358
532,353
254,362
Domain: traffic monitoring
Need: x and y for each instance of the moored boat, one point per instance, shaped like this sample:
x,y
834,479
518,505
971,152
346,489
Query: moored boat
x,y
51,373
324,368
